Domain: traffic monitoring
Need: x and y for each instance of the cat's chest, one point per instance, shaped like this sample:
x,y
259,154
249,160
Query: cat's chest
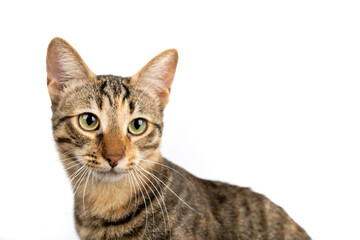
x,y
106,202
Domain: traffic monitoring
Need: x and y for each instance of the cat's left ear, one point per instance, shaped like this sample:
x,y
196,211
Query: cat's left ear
x,y
158,75
64,66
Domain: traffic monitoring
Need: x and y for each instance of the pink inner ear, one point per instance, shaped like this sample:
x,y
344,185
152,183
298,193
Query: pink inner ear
x,y
158,74
54,88
169,72
64,64
53,81
51,75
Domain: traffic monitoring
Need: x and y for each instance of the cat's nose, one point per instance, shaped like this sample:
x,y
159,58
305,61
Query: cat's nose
x,y
113,159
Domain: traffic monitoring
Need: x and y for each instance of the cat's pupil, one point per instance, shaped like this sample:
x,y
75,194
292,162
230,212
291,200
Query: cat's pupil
x,y
89,119
138,123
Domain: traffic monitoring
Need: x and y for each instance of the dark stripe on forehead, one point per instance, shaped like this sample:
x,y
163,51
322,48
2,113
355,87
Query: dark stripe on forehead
x,y
105,93
115,83
116,86
127,92
99,99
103,86
110,100
99,102
131,107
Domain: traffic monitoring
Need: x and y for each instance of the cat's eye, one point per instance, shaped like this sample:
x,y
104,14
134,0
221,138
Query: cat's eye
x,y
137,126
89,122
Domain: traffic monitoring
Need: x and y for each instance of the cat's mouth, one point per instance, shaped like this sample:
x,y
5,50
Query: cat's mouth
x,y
112,174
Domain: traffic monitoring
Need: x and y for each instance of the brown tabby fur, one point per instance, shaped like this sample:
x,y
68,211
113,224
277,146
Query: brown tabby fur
x,y
144,196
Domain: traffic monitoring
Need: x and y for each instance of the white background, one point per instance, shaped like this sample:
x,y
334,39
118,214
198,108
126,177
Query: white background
x,y
266,95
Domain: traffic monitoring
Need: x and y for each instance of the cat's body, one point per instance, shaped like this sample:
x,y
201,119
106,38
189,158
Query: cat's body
x,y
213,210
108,131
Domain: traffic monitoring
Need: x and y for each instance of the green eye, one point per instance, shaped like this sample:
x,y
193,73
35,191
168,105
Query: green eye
x,y
88,122
138,126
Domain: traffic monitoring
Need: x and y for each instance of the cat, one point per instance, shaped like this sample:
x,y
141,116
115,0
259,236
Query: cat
x,y
108,130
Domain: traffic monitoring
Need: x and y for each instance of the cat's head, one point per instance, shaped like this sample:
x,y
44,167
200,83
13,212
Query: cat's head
x,y
107,124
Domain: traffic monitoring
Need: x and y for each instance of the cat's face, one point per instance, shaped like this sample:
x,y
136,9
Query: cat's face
x,y
107,124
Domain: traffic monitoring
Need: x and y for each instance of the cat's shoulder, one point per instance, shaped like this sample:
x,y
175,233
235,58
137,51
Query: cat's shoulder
x,y
216,189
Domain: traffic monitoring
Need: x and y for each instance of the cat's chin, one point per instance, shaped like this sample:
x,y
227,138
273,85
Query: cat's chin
x,y
110,176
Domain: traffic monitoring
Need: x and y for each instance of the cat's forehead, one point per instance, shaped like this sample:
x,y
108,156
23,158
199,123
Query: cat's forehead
x,y
114,84
110,95
119,93
114,90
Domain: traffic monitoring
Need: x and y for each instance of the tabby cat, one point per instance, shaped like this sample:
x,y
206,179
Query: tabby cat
x,y
108,131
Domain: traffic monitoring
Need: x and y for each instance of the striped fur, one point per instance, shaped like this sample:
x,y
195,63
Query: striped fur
x,y
144,196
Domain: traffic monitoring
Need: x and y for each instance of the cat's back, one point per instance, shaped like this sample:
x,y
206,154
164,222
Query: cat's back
x,y
244,214
225,211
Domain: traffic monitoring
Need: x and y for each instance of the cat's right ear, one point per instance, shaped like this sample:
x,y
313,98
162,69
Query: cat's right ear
x,y
64,64
158,75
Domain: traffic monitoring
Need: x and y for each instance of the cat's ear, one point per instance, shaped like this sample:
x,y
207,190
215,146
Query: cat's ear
x,y
64,64
158,75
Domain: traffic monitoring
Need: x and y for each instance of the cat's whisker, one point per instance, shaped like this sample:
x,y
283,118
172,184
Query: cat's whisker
x,y
169,189
162,199
73,176
67,160
66,153
141,159
139,174
92,179
154,170
146,215
135,195
70,161
70,155
147,193
87,179
79,178
79,181
126,179
130,187
72,166
134,190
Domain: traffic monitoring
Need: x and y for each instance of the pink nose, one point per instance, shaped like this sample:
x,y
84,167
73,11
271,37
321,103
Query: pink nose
x,y
113,159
